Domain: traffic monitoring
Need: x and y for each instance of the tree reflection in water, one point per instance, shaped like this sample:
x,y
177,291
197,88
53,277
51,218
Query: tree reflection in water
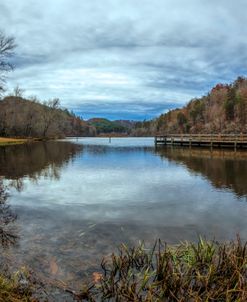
x,y
225,169
41,159
8,232
33,161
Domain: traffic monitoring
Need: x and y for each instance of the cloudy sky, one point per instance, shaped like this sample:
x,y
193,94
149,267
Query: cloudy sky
x,y
125,59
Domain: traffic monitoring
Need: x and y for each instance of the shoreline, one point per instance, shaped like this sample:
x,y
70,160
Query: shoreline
x,y
5,141
189,271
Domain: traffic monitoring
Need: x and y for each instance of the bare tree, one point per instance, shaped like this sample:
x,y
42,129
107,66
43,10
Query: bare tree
x,y
18,92
50,115
7,45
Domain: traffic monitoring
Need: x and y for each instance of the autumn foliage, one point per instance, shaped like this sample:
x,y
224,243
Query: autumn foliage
x,y
20,117
222,110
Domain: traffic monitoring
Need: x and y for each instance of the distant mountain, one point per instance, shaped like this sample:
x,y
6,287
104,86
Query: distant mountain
x,y
20,117
105,126
222,110
126,123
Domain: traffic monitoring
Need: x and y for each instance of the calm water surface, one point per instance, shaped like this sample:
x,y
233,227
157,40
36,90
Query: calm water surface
x,y
77,200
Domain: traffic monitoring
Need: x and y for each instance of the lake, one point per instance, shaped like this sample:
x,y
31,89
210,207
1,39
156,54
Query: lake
x,y
76,200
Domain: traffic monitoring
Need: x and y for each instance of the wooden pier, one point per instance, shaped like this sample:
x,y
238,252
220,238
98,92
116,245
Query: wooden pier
x,y
210,140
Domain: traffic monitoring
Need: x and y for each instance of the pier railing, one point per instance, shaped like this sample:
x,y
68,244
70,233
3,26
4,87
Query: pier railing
x,y
236,140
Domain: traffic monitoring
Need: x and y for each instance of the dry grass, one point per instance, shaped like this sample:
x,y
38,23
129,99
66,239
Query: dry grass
x,y
206,271
10,141
14,288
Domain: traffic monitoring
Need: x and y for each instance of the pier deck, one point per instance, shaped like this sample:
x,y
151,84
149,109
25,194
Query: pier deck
x,y
211,140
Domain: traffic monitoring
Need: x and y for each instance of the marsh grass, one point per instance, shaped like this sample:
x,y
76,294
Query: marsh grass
x,y
206,271
15,288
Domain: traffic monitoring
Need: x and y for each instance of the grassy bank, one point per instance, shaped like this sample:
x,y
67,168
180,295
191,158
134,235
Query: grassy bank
x,y
5,141
206,271
11,141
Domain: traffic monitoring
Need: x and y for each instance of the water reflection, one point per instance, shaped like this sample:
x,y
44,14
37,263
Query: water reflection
x,y
41,159
77,201
33,162
225,169
8,232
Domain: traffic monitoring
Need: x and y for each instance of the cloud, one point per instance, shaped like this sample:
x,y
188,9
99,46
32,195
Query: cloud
x,y
122,58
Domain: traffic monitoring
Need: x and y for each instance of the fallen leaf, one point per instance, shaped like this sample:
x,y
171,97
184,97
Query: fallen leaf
x,y
97,277
53,266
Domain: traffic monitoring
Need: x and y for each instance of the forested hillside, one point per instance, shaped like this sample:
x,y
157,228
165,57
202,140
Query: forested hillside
x,y
21,117
104,126
222,110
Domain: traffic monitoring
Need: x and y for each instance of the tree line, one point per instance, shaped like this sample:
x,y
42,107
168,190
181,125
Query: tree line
x,y
21,117
222,110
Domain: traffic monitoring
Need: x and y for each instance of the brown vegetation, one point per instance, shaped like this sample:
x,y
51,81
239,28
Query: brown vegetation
x,y
10,141
21,117
222,110
207,271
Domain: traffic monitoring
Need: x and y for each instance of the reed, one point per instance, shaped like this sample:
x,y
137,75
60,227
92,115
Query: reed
x,y
206,271
189,272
